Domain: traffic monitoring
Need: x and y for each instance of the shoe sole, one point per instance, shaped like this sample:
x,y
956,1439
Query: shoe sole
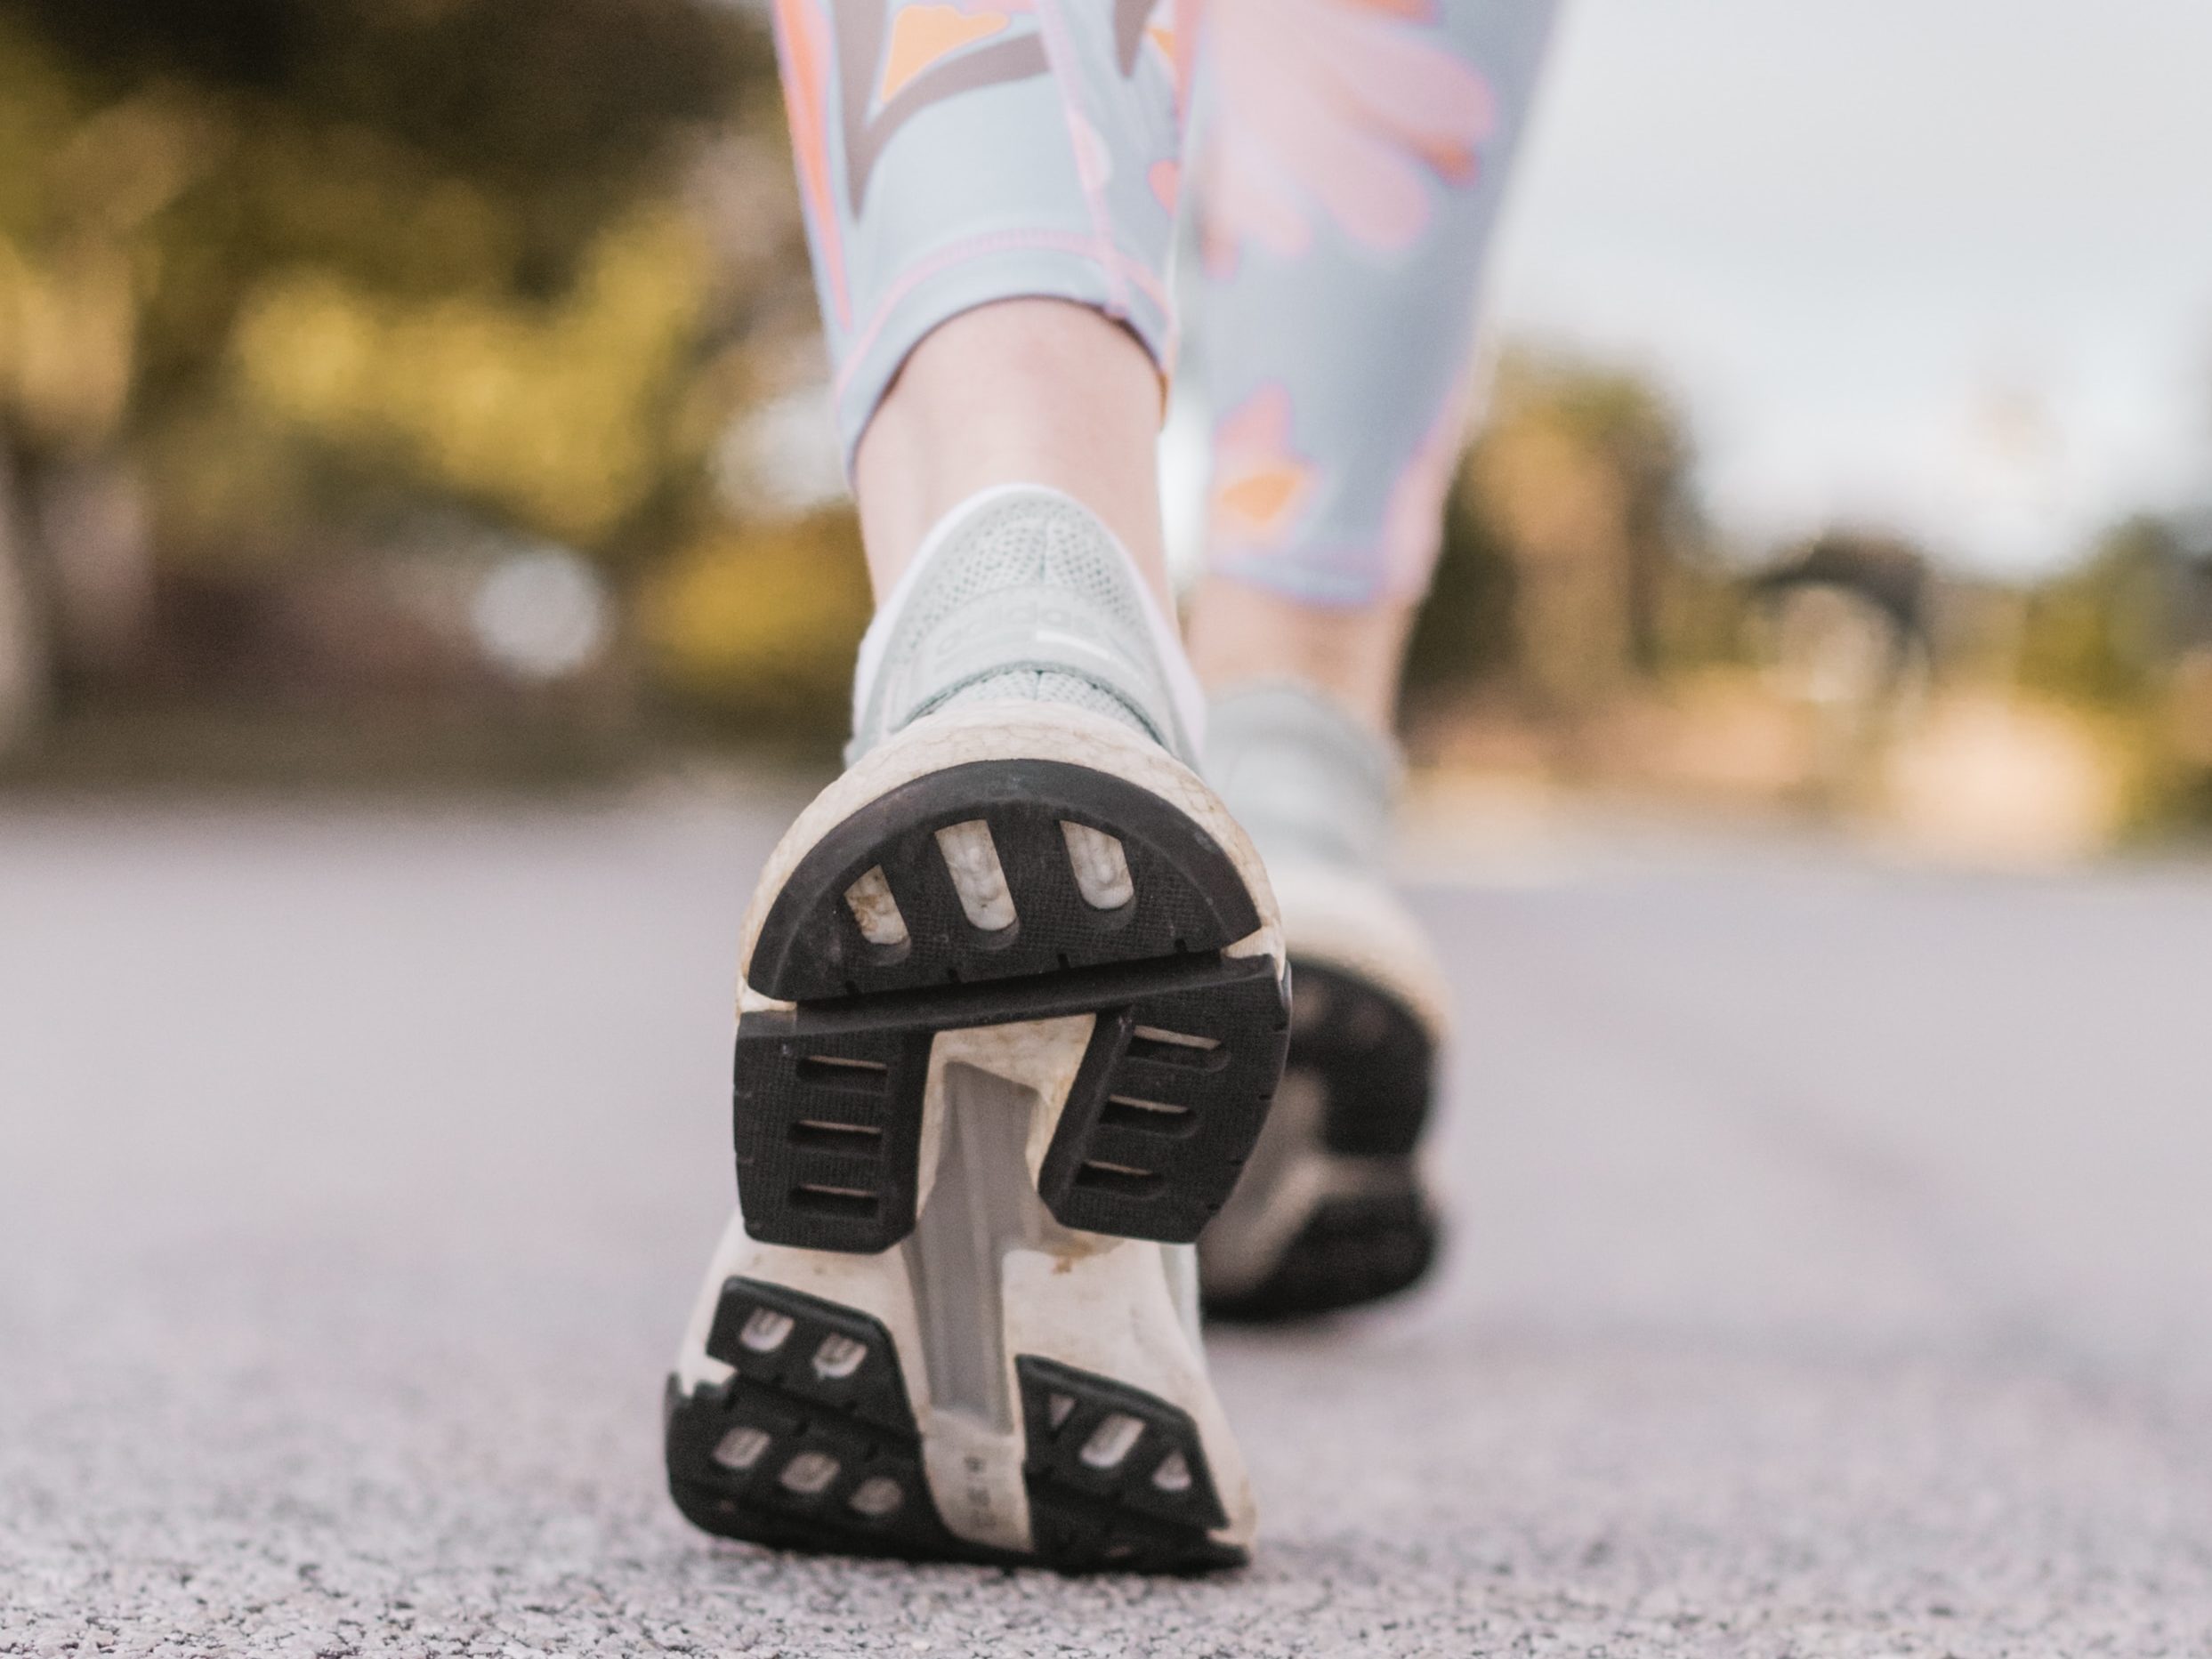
x,y
972,1105
1336,1213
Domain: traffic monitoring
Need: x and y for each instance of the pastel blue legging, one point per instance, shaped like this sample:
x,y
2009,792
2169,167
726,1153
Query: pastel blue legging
x,y
1348,162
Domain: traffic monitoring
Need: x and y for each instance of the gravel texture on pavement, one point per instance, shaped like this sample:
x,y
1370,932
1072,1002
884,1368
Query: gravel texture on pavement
x,y
1832,1272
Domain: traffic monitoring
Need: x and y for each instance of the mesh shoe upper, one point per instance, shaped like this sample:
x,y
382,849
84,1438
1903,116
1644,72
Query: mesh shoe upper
x,y
1022,595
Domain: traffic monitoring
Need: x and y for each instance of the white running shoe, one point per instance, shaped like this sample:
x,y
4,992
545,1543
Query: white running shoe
x,y
1014,1007
1334,1211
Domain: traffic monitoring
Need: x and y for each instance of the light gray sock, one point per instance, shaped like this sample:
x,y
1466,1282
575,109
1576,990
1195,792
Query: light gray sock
x,y
1306,780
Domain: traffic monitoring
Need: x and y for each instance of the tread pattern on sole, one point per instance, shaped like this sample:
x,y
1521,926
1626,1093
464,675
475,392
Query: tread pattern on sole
x,y
1117,1477
812,1445
1157,1131
1173,1089
1376,1062
808,1445
1186,892
1171,1094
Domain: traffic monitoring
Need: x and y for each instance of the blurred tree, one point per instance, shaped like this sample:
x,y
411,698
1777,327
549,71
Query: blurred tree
x,y
763,623
1886,572
1847,626
22,638
2105,633
1570,544
1463,637
2130,634
272,266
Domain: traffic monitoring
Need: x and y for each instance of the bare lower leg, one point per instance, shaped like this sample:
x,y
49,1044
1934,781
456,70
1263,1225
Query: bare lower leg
x,y
1238,633
1023,391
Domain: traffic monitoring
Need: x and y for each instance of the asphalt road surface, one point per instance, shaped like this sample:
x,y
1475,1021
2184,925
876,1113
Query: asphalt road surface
x,y
1833,1269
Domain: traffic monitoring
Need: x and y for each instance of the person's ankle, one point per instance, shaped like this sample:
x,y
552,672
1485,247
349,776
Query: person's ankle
x,y
1241,634
1040,391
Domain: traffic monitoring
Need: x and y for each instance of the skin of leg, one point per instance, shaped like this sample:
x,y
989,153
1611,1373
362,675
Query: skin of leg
x,y
1019,392
1238,633
991,214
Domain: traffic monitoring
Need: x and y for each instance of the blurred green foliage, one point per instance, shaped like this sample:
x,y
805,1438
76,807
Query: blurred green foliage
x,y
759,625
283,276
1575,560
2105,633
298,253
2128,633
1579,580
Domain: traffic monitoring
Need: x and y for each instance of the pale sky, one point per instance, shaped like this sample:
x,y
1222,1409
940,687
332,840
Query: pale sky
x,y
1941,264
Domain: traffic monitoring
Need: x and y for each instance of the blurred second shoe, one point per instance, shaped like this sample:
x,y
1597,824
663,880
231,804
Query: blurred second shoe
x,y
1334,1210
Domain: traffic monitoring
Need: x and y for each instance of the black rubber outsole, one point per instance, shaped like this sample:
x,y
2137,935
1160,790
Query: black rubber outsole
x,y
812,1445
1376,1065
1181,1065
1350,1253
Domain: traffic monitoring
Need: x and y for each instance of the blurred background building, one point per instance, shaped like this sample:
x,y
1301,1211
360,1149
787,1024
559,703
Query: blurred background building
x,y
426,390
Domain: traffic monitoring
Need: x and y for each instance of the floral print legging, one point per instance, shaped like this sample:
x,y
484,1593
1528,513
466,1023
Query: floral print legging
x,y
1347,163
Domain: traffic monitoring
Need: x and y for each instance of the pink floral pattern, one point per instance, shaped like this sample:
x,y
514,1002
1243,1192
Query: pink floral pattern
x,y
1345,109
